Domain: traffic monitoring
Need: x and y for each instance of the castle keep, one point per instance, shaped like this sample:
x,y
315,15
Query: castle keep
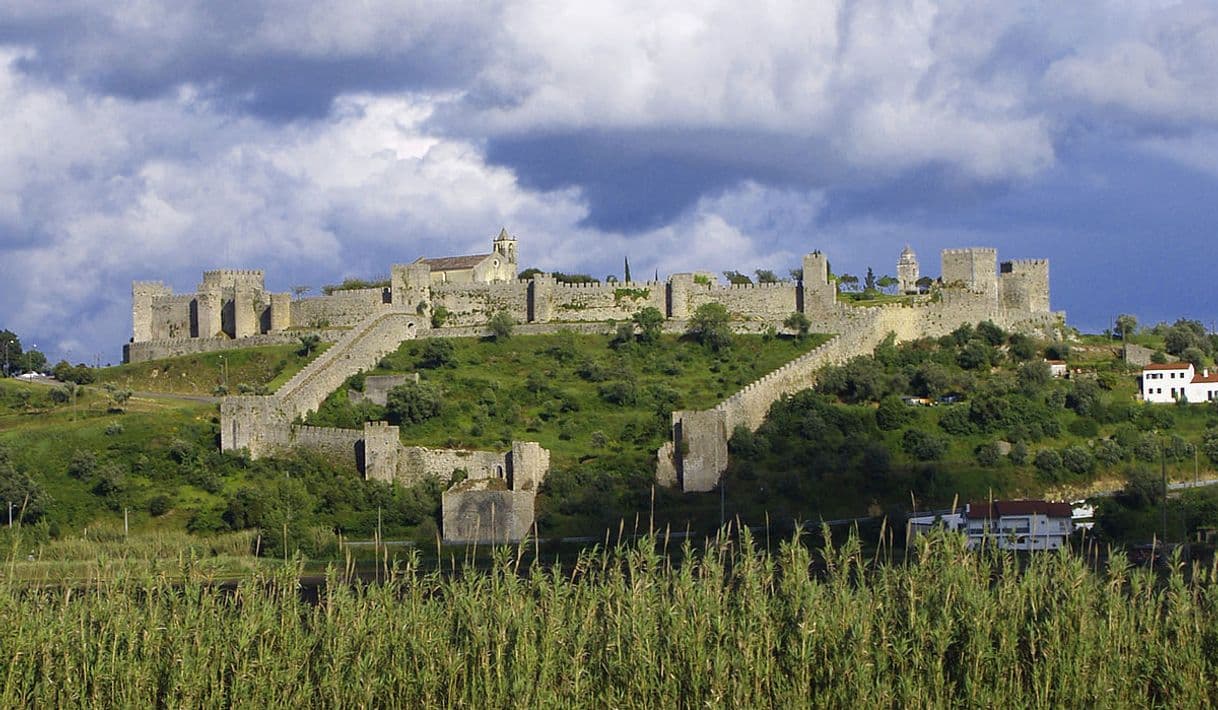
x,y
495,500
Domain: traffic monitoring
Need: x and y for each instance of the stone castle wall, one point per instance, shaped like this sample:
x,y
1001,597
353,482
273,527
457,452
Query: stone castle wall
x,y
601,302
339,309
175,347
748,302
474,303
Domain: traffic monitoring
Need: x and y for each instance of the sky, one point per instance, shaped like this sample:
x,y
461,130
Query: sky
x,y
142,139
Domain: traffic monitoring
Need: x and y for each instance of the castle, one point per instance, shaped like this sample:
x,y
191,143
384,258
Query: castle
x,y
456,296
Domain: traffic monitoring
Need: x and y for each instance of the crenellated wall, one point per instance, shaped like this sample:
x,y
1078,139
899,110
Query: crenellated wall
x,y
475,303
337,310
602,301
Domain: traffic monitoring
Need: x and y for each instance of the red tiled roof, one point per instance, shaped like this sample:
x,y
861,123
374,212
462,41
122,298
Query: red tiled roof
x,y
452,263
1000,508
1167,366
1203,379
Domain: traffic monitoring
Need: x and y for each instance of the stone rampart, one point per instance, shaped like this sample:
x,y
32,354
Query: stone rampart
x,y
176,347
604,302
748,302
341,445
339,309
474,303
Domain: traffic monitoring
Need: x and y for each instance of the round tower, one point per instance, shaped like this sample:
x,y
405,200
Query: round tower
x,y
907,271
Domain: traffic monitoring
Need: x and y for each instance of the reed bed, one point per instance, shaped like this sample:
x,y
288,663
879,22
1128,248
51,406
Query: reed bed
x,y
728,626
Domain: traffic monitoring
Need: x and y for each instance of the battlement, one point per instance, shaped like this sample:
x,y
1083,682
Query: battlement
x,y
757,286
1015,265
219,273
970,250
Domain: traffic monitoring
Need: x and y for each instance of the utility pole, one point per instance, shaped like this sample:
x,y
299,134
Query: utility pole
x,y
1163,459
10,513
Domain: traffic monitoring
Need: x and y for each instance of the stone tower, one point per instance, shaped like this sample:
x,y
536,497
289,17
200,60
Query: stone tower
x,y
505,246
907,271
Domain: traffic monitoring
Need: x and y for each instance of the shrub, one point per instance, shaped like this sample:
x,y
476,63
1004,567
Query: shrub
x,y
711,327
799,324
922,445
1109,452
621,393
159,505
436,352
1048,462
439,316
988,454
892,414
956,421
1019,453
1077,459
501,325
1085,427
650,322
413,402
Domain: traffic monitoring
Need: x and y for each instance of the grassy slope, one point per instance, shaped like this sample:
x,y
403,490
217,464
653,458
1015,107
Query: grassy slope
x,y
201,374
43,437
490,399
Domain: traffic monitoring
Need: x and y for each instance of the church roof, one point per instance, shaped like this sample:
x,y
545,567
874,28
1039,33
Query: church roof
x,y
454,263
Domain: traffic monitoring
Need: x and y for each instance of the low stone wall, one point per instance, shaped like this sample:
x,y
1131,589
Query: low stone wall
x,y
175,347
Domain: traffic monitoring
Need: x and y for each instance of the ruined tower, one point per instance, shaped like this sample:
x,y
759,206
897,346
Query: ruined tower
x,y
907,271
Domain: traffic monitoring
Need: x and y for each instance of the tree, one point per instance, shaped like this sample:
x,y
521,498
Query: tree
x,y
711,327
991,333
413,402
34,361
848,282
988,454
439,316
892,414
1021,347
799,324
16,487
1195,355
765,276
736,278
10,352
651,324
437,352
529,273
308,344
1033,376
886,282
1209,445
1057,351
626,270
922,445
1126,325
501,325
1049,463
797,275
924,283
301,290
869,281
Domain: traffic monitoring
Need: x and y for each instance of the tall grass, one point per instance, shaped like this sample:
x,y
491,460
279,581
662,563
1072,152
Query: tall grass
x,y
730,626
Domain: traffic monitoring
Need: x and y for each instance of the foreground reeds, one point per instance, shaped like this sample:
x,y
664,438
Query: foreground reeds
x,y
731,627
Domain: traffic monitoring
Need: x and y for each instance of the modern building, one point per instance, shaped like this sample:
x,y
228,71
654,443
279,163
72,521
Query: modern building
x,y
1166,383
1019,524
1006,524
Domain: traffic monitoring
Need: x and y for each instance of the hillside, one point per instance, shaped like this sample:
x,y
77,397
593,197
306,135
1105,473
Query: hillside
x,y
602,408
241,370
998,425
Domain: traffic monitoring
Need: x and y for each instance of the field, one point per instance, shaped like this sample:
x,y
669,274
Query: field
x,y
641,625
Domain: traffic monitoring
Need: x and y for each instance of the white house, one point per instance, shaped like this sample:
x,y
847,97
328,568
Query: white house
x,y
1057,368
1019,524
1170,382
1008,524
